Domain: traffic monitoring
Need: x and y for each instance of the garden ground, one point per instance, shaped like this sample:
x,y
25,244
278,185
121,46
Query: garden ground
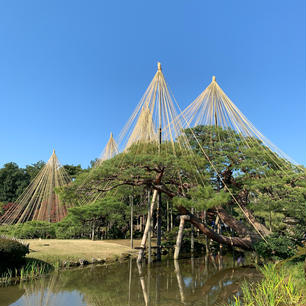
x,y
73,251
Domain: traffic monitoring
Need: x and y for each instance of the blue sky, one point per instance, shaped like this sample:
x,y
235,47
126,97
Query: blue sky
x,y
72,71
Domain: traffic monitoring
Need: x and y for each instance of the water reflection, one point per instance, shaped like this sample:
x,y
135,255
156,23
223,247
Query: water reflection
x,y
197,281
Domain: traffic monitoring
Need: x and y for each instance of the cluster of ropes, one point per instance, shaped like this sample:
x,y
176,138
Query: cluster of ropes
x,y
39,200
156,119
157,114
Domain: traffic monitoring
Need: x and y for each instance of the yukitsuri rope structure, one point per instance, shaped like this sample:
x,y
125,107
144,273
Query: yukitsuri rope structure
x,y
39,200
111,149
154,116
214,109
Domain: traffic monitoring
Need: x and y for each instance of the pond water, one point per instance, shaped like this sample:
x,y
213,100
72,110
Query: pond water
x,y
200,281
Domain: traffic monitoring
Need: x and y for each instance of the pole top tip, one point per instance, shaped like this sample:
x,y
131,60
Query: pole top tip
x,y
214,78
159,66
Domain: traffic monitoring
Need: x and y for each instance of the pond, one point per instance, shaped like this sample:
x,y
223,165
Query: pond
x,y
199,281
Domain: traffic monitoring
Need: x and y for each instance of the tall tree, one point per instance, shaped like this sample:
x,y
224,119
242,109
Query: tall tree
x,y
13,181
229,179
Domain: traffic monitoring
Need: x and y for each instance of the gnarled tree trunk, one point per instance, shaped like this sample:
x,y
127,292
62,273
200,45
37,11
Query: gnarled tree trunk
x,y
245,243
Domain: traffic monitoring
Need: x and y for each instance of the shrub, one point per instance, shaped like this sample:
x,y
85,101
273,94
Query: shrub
x,y
68,230
12,253
34,229
6,230
277,247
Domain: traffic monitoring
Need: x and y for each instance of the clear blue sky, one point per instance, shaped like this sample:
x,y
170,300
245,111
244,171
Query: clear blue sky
x,y
72,71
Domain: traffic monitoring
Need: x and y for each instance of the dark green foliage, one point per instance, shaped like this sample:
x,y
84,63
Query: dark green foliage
x,y
32,170
73,171
70,229
277,246
12,253
13,181
202,198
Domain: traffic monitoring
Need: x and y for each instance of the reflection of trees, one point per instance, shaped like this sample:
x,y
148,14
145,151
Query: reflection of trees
x,y
185,283
226,283
40,292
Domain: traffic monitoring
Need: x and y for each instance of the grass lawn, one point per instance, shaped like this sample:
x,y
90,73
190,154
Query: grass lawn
x,y
59,251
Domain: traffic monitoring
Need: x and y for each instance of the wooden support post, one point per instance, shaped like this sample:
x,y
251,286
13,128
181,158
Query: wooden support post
x,y
219,231
180,236
207,240
132,219
158,253
141,224
149,231
192,235
168,221
147,228
171,217
93,231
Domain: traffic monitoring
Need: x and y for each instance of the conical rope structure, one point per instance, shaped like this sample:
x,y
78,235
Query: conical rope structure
x,y
152,123
144,130
155,128
39,200
111,149
154,117
213,108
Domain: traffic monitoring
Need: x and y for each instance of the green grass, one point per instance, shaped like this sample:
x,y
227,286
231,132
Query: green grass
x,y
280,286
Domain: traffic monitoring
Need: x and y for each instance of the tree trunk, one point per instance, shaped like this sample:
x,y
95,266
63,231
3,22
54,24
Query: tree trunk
x,y
260,227
240,229
245,243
